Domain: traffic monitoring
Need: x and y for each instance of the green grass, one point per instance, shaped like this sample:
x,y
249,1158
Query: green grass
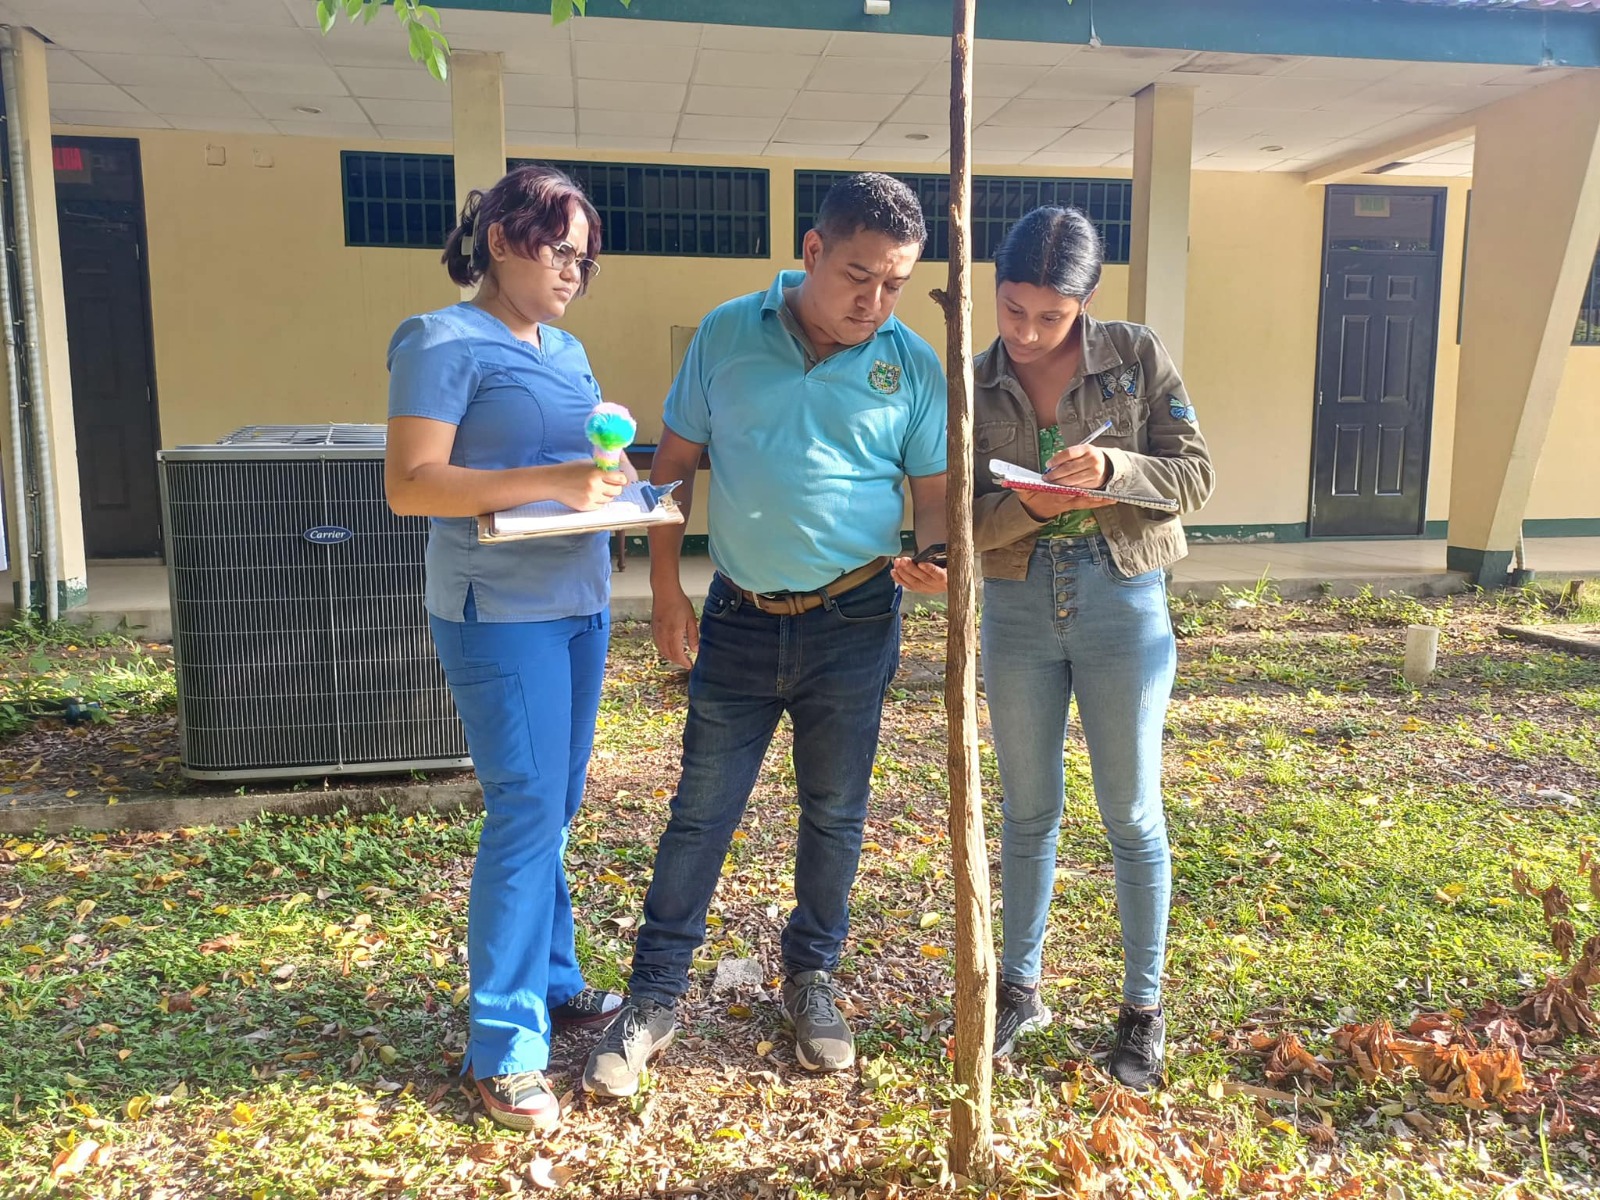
x,y
43,665
275,1010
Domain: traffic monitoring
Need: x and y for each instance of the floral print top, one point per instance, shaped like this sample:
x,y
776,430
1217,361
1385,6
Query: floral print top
x,y
1077,523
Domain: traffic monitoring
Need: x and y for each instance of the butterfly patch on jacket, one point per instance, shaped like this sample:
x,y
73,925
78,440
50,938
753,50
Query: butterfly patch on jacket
x,y
1125,381
1180,409
884,377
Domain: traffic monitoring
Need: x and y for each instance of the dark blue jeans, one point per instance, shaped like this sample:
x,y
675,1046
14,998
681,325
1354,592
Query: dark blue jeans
x,y
828,669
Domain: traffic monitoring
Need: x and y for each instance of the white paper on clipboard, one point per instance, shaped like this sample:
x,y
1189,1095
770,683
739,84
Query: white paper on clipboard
x,y
639,505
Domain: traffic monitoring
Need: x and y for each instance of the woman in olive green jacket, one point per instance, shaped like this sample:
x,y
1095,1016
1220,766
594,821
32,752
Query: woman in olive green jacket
x,y
1075,601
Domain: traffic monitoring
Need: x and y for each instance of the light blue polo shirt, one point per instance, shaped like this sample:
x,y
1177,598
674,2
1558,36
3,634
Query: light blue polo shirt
x,y
807,467
513,405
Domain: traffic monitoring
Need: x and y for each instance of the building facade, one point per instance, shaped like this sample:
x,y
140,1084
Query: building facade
x,y
1368,230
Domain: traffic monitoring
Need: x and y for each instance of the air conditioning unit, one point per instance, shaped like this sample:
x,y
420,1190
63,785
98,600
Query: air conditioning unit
x,y
298,627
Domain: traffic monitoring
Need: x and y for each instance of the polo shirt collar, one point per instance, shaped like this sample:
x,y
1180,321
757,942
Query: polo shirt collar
x,y
773,301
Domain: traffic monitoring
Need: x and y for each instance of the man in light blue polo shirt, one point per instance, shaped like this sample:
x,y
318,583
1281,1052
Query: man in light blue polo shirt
x,y
819,410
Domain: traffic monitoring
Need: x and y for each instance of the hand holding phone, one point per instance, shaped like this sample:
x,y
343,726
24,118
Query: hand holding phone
x,y
924,572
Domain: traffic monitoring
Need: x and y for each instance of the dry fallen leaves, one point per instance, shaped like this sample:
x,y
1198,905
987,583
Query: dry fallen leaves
x,y
1448,1059
1555,901
1286,1056
1562,1005
70,1162
1563,937
543,1173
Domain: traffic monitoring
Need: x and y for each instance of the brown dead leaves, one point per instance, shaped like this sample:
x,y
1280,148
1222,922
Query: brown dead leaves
x,y
1133,1147
1457,1068
1287,1057
1556,903
1480,1064
1561,1006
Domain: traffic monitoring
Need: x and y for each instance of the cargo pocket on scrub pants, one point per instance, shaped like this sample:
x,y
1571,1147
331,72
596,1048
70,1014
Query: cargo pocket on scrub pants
x,y
494,713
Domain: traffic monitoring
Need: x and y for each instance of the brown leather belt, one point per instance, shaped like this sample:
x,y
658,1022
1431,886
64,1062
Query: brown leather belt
x,y
792,604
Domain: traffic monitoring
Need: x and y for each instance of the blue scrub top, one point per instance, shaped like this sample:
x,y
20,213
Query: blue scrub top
x,y
513,405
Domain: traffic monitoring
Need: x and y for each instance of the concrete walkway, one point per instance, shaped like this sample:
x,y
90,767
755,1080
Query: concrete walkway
x,y
134,594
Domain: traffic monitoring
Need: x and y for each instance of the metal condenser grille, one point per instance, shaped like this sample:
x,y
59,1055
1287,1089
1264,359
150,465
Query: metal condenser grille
x,y
300,655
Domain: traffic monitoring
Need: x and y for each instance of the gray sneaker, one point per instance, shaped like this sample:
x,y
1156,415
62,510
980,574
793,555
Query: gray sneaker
x,y
1018,1010
822,1039
641,1030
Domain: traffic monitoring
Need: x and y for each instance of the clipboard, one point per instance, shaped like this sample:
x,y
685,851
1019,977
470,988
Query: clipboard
x,y
639,505
1020,479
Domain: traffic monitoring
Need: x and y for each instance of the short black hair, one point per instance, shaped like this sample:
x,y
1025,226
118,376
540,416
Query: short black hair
x,y
874,202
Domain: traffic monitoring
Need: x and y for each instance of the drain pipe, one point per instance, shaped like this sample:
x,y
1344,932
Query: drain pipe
x,y
22,549
38,403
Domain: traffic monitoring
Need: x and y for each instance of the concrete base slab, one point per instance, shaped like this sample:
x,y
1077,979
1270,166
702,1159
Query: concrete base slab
x,y
179,812
1574,639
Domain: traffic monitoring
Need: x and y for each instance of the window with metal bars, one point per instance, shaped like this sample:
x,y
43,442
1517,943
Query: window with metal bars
x,y
404,200
408,200
998,201
704,212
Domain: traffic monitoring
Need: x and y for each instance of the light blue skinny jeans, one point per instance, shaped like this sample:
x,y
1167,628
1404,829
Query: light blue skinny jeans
x,y
1076,624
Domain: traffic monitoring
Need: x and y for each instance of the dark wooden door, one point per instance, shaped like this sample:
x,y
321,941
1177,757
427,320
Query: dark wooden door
x,y
1380,324
113,393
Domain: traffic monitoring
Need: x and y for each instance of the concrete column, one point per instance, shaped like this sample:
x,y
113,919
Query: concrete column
x,y
478,119
31,126
1530,247
1158,268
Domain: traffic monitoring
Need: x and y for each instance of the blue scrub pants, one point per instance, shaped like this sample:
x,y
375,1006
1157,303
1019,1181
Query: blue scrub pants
x,y
527,694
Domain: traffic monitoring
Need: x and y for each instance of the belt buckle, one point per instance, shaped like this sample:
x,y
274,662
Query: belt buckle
x,y
788,603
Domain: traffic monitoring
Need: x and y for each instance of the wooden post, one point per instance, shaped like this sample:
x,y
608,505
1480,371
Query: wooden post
x,y
971,1123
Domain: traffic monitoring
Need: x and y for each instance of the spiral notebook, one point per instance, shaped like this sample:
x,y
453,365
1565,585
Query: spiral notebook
x,y
1023,480
639,505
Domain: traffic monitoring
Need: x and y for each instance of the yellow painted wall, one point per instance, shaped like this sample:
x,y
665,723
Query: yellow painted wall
x,y
1567,483
1250,362
262,314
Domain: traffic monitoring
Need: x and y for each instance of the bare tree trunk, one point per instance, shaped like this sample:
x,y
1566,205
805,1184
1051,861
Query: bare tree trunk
x,y
971,1124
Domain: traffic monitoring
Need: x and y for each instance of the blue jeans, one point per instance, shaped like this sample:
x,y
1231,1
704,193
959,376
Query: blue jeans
x,y
527,694
1075,624
828,669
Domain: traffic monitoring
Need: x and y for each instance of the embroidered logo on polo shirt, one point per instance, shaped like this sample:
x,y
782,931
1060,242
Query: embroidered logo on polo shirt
x,y
884,377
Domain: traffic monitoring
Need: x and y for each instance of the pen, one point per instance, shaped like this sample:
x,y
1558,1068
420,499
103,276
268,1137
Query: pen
x,y
1105,427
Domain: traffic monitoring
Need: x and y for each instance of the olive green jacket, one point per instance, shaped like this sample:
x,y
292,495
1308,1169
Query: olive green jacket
x,y
1153,446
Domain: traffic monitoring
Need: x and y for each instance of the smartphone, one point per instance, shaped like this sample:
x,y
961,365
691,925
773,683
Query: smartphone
x,y
937,555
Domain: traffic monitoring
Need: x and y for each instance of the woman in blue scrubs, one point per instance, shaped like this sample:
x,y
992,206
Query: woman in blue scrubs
x,y
487,403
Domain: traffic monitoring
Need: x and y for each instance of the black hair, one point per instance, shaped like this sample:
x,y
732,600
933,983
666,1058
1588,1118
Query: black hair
x,y
533,205
1051,247
873,202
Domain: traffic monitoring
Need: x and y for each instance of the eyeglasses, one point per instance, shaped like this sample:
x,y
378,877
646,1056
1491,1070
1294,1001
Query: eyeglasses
x,y
562,255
